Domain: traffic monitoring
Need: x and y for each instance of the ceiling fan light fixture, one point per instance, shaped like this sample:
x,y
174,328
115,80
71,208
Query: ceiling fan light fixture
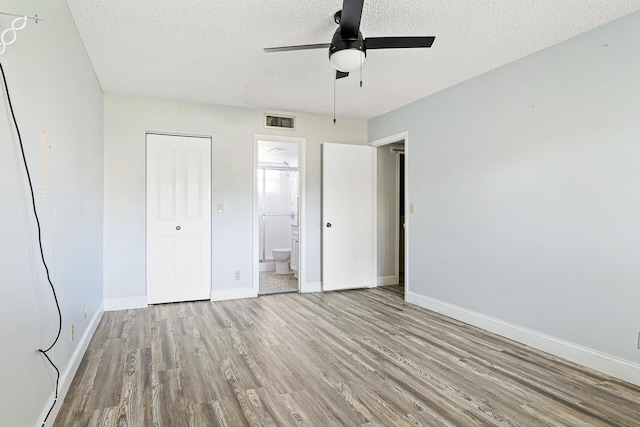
x,y
348,47
347,59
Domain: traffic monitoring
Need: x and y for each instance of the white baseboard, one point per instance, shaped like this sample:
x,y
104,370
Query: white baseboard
x,y
611,365
115,304
225,294
311,287
388,280
69,371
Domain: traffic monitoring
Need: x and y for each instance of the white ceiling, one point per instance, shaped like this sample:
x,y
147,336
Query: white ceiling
x,y
211,51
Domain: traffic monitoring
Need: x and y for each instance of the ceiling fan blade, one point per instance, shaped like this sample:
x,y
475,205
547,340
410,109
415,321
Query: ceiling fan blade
x,y
341,74
350,18
299,47
397,42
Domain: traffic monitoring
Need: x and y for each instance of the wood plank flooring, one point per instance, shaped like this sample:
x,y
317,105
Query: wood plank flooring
x,y
357,358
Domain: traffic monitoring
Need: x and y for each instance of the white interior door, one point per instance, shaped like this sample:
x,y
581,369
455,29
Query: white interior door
x,y
178,218
348,215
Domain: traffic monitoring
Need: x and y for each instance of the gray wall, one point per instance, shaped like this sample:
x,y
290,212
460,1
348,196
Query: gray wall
x,y
54,90
525,184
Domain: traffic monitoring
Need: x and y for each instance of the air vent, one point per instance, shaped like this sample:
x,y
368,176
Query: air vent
x,y
397,149
279,122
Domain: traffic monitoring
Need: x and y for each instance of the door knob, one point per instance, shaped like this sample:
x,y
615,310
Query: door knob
x,y
328,225
178,228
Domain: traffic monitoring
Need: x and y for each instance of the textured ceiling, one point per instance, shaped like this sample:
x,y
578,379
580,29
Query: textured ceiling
x,y
211,51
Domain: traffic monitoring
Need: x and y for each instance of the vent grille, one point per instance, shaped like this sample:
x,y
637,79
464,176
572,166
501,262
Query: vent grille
x,y
279,122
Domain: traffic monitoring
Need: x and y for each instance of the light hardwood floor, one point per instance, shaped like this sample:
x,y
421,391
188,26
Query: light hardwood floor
x,y
359,358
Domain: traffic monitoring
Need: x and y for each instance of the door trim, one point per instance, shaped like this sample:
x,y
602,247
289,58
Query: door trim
x,y
302,237
396,202
401,136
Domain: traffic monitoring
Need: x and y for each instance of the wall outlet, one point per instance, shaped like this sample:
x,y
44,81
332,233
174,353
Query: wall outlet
x,y
638,340
237,274
411,208
72,332
84,312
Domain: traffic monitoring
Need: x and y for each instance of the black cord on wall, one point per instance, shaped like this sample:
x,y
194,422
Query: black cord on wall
x,y
44,262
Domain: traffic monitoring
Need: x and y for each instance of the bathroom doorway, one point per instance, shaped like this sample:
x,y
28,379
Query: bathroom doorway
x,y
278,226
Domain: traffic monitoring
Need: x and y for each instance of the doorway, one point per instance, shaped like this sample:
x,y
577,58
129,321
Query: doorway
x,y
392,222
278,213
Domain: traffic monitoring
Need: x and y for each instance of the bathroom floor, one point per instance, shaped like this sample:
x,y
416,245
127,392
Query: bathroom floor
x,y
271,283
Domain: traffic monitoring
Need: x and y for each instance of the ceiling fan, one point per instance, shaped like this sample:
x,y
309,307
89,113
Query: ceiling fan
x,y
348,47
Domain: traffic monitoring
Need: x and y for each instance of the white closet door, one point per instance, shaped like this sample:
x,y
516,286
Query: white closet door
x,y
178,218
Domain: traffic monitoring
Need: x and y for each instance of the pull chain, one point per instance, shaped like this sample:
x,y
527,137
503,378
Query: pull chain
x,y
334,100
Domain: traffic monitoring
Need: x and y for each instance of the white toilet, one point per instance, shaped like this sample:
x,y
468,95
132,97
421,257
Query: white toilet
x,y
282,258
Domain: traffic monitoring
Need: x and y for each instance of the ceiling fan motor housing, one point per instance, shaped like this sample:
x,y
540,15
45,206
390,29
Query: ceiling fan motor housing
x,y
338,44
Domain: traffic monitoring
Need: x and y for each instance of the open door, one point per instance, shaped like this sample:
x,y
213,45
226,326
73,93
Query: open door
x,y
348,215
